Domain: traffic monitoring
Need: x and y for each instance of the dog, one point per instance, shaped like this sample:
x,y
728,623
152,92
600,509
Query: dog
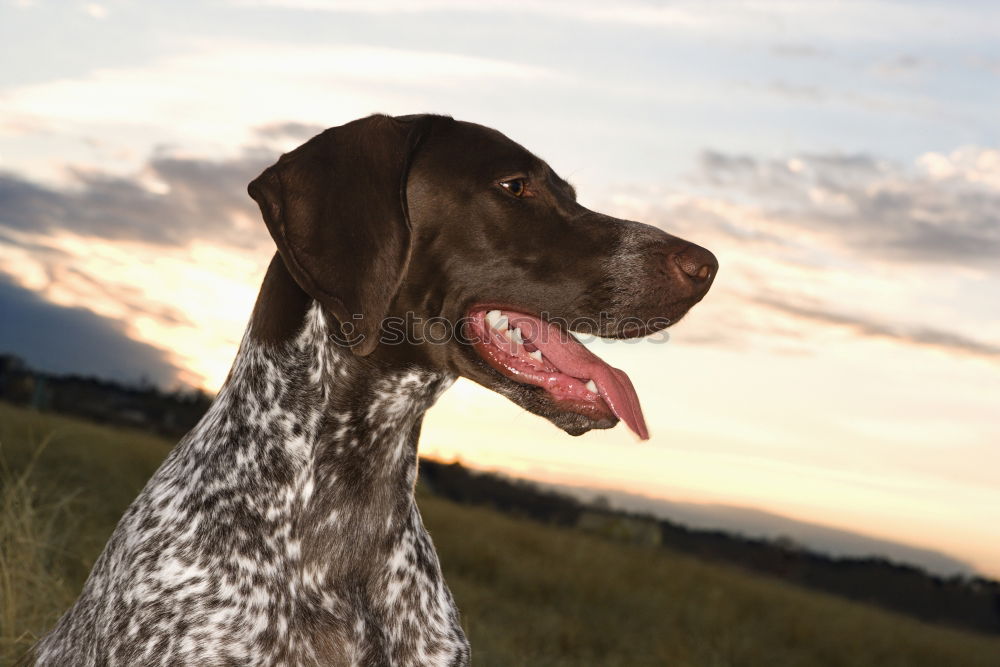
x,y
282,530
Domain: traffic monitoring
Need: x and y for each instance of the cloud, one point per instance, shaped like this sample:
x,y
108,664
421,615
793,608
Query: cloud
x,y
171,201
939,339
797,91
95,11
129,298
218,88
740,20
289,130
903,64
164,254
628,13
75,340
991,65
798,50
944,209
805,241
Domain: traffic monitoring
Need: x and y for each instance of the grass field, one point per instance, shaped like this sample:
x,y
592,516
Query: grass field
x,y
529,594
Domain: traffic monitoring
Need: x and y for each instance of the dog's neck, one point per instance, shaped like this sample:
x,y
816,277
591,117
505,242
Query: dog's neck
x,y
326,444
349,424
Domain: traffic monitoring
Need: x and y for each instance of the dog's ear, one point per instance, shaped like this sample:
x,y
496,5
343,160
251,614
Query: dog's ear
x,y
336,208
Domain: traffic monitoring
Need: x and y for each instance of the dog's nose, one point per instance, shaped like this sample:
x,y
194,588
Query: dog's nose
x,y
698,264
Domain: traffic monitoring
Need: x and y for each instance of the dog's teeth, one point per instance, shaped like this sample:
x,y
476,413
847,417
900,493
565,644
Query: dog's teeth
x,y
536,355
515,335
493,317
591,387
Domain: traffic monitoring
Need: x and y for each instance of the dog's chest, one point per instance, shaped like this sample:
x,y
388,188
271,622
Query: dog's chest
x,y
282,530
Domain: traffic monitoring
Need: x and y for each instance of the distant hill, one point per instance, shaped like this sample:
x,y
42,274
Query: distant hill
x,y
759,524
970,602
142,405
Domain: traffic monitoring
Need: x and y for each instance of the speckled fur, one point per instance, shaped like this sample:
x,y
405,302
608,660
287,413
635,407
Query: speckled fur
x,y
281,531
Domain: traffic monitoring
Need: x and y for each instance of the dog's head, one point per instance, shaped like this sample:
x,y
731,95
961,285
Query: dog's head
x,y
444,243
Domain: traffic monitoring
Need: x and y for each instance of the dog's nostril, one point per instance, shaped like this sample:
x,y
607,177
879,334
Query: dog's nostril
x,y
697,263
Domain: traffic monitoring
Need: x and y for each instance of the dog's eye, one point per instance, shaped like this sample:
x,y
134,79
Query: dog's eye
x,y
515,186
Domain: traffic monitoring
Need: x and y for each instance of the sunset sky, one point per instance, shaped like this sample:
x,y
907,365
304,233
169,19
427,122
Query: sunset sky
x,y
842,160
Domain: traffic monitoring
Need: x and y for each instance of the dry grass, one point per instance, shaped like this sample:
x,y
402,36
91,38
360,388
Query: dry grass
x,y
31,546
63,486
529,594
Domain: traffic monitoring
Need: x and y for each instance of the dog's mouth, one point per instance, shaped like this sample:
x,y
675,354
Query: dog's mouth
x,y
538,353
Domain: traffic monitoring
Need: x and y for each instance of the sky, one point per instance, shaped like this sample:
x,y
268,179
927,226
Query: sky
x,y
841,159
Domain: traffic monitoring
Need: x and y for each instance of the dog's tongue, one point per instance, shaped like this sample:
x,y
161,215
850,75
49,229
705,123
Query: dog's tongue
x,y
568,355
